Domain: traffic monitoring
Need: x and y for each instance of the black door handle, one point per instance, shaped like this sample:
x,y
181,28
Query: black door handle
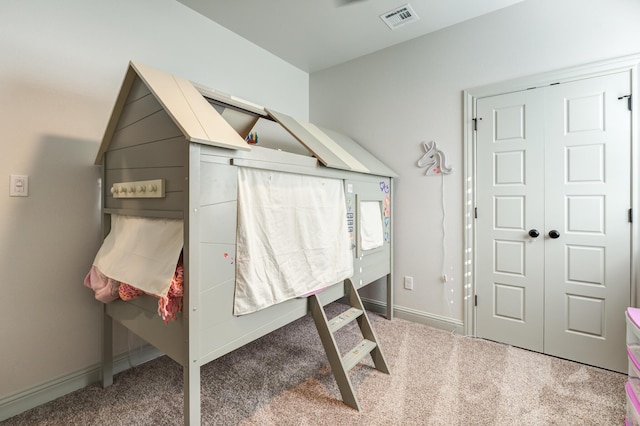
x,y
554,234
534,233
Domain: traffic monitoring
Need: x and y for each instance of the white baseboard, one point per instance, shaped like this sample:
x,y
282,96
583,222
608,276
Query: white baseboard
x,y
30,398
432,320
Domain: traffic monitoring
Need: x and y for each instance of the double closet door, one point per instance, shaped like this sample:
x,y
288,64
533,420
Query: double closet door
x,y
553,231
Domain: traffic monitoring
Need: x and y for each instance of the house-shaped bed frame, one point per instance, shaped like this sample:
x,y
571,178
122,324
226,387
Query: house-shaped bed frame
x,y
187,143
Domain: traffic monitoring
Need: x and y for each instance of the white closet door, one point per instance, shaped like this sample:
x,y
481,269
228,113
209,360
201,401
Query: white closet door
x,y
556,160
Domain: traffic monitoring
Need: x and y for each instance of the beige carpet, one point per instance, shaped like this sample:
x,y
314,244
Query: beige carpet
x,y
284,379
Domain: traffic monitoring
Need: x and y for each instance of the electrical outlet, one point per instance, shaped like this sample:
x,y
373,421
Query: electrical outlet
x,y
408,283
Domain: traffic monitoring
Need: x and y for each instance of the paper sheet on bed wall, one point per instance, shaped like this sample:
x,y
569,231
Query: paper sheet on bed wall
x,y
292,237
142,252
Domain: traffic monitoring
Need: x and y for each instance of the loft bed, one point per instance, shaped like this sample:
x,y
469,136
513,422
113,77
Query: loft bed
x,y
189,144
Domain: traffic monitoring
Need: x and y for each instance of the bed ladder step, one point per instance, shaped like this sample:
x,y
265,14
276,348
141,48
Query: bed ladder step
x,y
341,365
344,318
357,354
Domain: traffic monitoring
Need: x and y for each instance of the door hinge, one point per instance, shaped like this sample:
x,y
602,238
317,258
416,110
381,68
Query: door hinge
x,y
630,215
628,101
475,123
475,300
475,212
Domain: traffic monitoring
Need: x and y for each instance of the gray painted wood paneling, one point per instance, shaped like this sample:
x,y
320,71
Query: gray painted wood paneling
x,y
219,266
138,90
155,127
219,183
219,223
161,153
168,338
138,110
235,332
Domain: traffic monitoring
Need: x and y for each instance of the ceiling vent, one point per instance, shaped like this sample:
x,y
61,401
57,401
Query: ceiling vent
x,y
399,16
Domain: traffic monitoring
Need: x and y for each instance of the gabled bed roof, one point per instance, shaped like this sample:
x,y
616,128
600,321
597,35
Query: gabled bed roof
x,y
190,109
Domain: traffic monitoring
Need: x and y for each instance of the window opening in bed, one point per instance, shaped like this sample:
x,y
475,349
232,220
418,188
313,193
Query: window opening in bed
x,y
272,135
371,225
257,128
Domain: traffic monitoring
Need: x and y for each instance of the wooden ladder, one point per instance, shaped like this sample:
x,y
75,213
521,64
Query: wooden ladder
x,y
341,365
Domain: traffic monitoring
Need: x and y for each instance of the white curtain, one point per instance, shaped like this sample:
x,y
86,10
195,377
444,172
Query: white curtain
x,y
291,239
141,252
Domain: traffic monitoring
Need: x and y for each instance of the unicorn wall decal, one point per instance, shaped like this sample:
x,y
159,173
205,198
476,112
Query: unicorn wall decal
x,y
434,160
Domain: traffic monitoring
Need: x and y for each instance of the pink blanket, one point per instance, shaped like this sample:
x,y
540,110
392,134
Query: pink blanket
x,y
107,290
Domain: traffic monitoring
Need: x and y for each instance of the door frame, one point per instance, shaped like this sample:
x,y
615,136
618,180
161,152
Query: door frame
x,y
470,96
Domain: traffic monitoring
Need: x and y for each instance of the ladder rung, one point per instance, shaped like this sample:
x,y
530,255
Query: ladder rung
x,y
343,319
356,354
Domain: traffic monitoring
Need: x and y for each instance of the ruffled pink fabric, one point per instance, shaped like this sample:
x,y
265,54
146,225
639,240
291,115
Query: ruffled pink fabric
x,y
168,306
107,290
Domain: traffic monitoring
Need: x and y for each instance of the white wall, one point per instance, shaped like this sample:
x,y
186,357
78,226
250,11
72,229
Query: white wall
x,y
392,100
61,66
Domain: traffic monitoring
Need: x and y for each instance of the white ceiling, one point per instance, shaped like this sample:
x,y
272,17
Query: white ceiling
x,y
317,34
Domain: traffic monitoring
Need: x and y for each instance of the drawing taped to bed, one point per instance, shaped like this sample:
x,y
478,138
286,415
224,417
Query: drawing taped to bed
x,y
174,154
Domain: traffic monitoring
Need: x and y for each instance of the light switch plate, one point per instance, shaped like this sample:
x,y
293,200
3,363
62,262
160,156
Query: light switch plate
x,y
19,186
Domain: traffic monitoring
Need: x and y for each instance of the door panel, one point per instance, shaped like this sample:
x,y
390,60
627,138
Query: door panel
x,y
510,204
587,274
557,160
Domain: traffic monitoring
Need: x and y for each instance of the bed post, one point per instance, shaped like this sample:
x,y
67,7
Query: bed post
x,y
191,300
191,392
390,275
390,296
107,348
107,321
